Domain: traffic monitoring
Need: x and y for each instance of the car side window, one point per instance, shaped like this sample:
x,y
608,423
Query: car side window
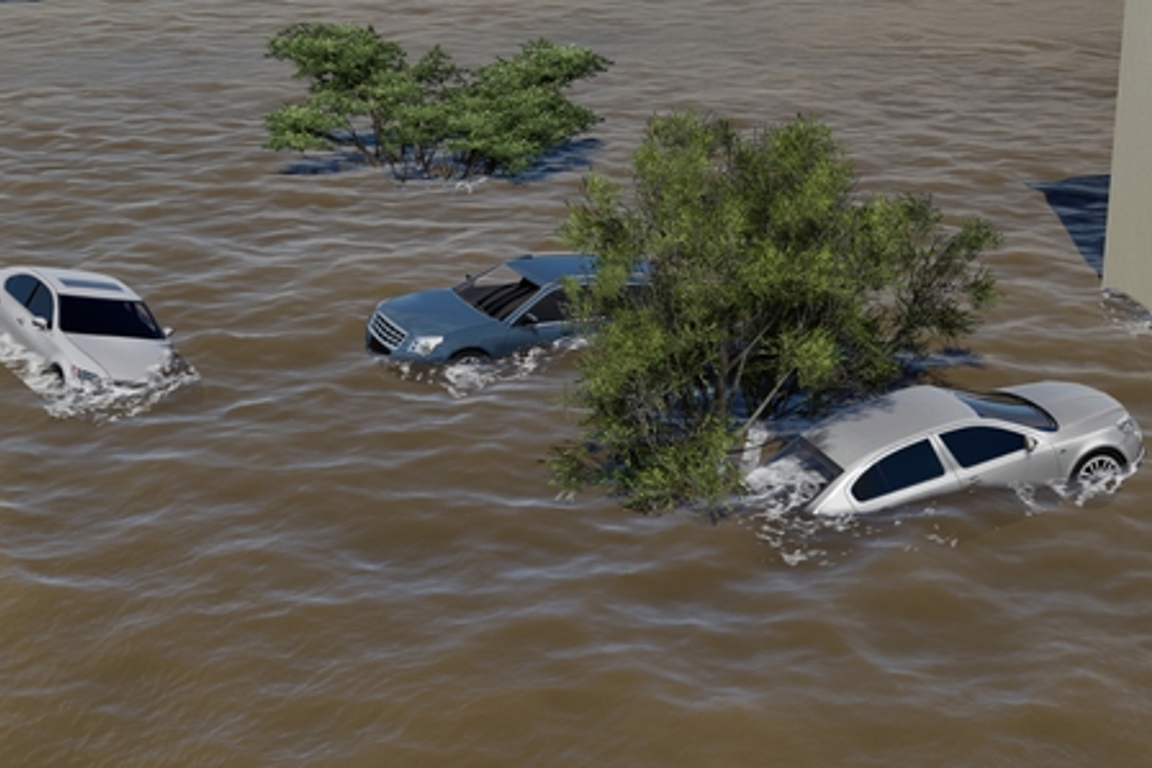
x,y
909,466
20,287
549,309
976,445
40,304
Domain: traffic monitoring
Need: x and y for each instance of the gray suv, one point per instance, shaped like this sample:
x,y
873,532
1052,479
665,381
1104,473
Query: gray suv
x,y
512,306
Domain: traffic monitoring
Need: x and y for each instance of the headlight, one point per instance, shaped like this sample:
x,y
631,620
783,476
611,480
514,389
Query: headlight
x,y
425,345
84,375
1128,426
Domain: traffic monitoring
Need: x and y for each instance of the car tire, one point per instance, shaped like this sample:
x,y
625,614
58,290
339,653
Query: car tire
x,y
1097,466
56,372
471,356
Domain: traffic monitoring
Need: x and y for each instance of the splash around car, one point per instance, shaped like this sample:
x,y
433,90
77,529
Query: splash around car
x,y
512,306
89,328
927,441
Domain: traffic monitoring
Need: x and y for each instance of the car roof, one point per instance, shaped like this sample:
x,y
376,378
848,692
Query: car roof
x,y
78,282
550,267
860,430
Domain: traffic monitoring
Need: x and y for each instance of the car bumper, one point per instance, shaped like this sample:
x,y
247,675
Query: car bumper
x,y
403,353
373,344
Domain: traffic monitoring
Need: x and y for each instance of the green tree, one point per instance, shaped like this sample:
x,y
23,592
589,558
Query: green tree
x,y
513,110
768,274
432,116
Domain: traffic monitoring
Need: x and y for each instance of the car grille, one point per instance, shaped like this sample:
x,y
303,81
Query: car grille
x,y
387,335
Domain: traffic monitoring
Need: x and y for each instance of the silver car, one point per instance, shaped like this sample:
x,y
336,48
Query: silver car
x,y
926,441
88,327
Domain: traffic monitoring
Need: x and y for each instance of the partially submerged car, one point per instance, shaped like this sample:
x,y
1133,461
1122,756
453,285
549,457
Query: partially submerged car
x,y
927,441
513,306
88,327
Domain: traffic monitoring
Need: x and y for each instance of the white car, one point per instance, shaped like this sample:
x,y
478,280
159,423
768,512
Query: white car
x,y
88,327
926,441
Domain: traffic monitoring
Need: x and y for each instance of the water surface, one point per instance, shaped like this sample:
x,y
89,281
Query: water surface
x,y
308,558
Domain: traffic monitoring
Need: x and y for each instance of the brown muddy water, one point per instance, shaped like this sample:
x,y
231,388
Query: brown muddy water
x,y
307,558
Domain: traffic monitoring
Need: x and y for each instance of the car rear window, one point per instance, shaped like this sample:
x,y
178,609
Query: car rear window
x,y
1006,407
108,317
909,466
811,458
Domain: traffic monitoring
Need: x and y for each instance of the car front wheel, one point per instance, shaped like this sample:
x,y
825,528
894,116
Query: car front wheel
x,y
1097,467
471,356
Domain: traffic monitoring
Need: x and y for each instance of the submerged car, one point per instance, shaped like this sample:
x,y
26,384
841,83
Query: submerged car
x,y
88,327
927,441
513,306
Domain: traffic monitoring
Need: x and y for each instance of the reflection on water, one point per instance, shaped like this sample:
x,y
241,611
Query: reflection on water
x,y
1082,205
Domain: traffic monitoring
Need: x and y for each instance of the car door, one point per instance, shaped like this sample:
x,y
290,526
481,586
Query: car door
x,y
540,321
31,308
904,475
1000,455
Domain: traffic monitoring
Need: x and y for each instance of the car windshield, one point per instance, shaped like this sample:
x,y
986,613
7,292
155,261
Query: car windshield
x,y
107,317
497,292
1006,407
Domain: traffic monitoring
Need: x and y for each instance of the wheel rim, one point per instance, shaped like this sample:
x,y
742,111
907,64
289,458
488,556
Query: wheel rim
x,y
1099,468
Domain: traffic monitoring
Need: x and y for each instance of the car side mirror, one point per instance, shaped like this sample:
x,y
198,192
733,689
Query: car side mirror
x,y
530,318
1030,443
169,331
39,322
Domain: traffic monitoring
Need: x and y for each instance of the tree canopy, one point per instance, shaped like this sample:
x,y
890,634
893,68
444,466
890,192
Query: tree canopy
x,y
768,275
432,116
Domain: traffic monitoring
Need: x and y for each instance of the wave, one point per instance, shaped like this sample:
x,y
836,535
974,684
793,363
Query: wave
x,y
97,401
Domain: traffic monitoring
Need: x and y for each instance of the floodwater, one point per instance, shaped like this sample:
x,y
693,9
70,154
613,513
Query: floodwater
x,y
308,558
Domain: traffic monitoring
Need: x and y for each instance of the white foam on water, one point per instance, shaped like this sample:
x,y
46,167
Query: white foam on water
x,y
97,401
469,185
776,493
1125,313
1065,491
467,378
1082,493
939,538
1026,493
783,485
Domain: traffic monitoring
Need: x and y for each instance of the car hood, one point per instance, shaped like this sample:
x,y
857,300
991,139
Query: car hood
x,y
1067,402
124,359
432,312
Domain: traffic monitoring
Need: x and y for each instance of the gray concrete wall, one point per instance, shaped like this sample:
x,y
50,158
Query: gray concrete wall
x,y
1128,248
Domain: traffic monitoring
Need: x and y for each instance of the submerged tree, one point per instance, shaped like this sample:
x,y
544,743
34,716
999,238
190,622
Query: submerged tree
x,y
431,116
768,275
